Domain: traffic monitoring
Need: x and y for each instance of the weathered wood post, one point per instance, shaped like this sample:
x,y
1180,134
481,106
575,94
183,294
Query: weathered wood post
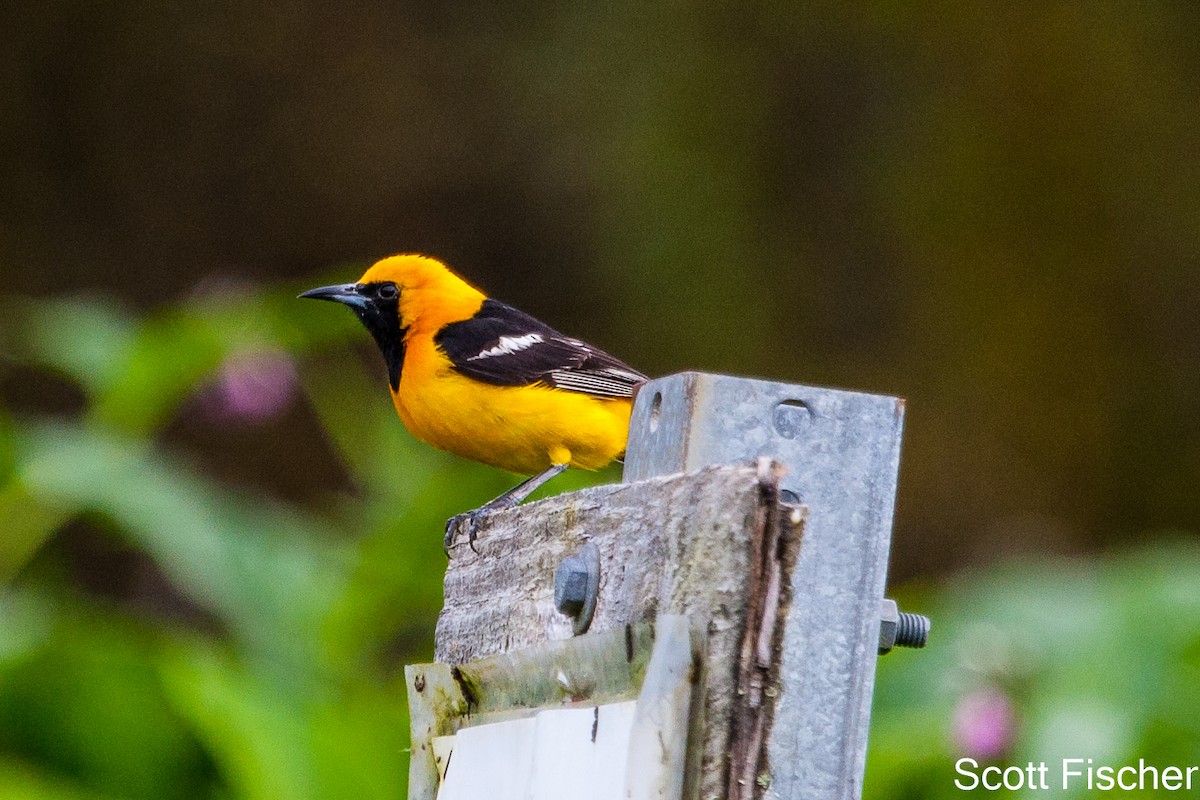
x,y
755,515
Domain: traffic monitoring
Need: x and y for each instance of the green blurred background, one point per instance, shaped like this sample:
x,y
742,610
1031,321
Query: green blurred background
x,y
218,544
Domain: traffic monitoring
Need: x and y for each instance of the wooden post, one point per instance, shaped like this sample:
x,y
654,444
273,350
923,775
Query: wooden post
x,y
723,475
714,546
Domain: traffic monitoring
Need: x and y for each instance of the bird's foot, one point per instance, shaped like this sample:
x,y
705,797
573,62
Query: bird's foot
x,y
468,521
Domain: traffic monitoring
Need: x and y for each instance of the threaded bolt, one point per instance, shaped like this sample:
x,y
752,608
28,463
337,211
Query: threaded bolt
x,y
901,629
912,630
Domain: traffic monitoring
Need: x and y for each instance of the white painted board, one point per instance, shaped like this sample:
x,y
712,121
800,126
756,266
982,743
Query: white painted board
x,y
579,753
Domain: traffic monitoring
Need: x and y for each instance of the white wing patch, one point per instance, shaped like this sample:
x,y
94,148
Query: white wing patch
x,y
509,345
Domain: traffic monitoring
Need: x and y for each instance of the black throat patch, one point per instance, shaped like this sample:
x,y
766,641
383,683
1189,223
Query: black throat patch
x,y
382,319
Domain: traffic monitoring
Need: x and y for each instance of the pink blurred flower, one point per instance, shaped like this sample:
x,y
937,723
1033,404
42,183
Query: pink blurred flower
x,y
984,724
253,385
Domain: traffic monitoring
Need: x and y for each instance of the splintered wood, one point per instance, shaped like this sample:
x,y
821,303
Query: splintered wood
x,y
714,545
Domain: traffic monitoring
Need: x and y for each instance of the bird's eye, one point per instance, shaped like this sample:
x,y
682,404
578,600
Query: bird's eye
x,y
387,291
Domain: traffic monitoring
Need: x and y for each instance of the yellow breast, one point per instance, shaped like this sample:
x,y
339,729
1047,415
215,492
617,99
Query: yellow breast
x,y
520,429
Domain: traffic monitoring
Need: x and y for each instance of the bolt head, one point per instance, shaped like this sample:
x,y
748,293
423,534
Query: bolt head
x,y
577,586
889,621
570,586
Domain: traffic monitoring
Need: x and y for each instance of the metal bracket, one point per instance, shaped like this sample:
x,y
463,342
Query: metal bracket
x,y
842,453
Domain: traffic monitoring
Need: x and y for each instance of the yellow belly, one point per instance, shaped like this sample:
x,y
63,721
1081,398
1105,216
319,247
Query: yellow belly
x,y
520,429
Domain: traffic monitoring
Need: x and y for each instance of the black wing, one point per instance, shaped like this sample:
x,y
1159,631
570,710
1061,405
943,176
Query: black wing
x,y
506,347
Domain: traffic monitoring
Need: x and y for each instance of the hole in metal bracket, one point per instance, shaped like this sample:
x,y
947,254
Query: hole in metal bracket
x,y
791,416
655,411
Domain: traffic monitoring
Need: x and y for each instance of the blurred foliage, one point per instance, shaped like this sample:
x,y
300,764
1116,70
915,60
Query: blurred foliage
x,y
1091,659
274,673
262,658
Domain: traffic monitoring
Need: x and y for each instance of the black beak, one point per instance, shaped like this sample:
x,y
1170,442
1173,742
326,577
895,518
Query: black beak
x,y
346,293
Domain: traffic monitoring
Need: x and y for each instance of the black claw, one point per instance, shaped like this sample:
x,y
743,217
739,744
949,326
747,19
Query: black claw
x,y
469,520
451,531
473,532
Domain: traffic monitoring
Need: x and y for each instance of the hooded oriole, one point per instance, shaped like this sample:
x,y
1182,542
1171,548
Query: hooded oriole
x,y
478,378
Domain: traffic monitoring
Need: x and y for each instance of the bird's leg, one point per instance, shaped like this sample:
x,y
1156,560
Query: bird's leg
x,y
512,497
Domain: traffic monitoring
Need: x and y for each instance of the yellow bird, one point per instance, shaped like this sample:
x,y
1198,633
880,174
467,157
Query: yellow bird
x,y
478,378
